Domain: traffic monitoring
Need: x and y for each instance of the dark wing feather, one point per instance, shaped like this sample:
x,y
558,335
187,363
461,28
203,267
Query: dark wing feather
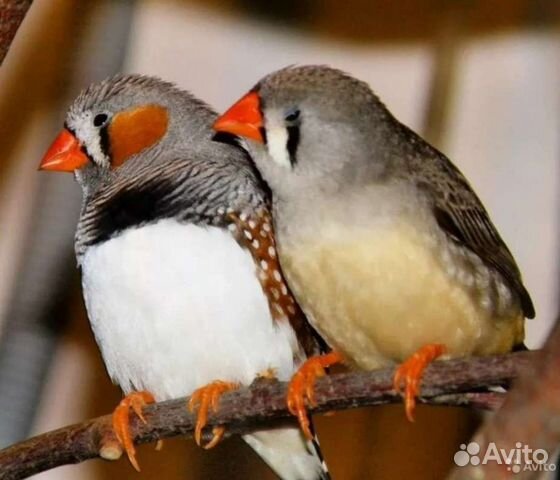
x,y
460,213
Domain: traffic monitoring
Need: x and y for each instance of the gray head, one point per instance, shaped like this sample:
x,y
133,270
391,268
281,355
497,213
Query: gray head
x,y
312,127
143,150
124,122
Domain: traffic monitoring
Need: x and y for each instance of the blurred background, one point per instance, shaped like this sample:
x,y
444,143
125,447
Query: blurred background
x,y
479,78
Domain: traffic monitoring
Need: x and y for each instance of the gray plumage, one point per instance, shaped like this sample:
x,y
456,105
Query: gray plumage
x,y
203,286
348,140
185,175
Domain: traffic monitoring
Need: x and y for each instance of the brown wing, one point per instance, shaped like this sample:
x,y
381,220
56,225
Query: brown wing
x,y
460,213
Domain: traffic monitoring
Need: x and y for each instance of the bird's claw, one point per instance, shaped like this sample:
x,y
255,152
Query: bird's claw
x,y
135,401
408,375
204,399
302,387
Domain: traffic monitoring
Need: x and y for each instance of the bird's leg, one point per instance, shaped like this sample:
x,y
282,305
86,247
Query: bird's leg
x,y
202,400
134,401
409,374
302,386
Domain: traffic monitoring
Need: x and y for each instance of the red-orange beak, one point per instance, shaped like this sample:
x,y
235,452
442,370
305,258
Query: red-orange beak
x,y
244,118
64,154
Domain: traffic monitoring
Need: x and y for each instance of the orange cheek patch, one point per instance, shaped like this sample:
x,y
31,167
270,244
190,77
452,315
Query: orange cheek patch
x,y
134,130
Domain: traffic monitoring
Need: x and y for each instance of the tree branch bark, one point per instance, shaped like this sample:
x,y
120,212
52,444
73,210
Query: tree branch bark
x,y
12,13
453,382
530,416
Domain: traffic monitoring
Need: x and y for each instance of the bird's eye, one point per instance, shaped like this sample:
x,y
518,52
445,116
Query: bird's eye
x,y
292,115
100,120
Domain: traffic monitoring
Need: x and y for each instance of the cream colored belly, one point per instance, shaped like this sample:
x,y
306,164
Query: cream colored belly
x,y
377,297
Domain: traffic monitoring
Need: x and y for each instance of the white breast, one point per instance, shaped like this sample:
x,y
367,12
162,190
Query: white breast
x,y
175,306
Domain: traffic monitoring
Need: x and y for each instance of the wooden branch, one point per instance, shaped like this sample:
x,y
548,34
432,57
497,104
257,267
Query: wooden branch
x,y
530,416
12,13
453,382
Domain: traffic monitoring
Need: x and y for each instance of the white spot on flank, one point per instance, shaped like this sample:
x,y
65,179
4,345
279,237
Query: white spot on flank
x,y
272,252
504,293
243,217
255,243
278,308
248,234
264,265
252,224
277,276
486,302
266,227
284,290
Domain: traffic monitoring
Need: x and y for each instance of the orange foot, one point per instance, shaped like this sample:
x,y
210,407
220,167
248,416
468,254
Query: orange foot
x,y
302,386
121,421
410,374
204,398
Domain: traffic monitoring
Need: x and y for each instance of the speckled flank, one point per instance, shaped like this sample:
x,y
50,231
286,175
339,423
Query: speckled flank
x,y
256,233
173,297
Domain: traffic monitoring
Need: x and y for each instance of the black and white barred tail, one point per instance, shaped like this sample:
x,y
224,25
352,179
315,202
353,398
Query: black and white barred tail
x,y
290,454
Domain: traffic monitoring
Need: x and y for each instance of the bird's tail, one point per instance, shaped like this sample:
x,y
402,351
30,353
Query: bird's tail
x,y
290,454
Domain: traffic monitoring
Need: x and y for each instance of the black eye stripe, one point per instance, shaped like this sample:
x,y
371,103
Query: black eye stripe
x,y
262,131
293,142
101,121
104,140
83,148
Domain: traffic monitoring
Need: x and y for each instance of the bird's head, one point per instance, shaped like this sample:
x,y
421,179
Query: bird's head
x,y
308,127
122,123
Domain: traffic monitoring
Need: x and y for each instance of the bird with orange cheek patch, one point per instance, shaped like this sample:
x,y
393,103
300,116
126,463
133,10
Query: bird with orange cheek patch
x,y
387,248
179,268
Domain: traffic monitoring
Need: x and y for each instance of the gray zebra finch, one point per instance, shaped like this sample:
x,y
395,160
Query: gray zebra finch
x,y
387,248
180,276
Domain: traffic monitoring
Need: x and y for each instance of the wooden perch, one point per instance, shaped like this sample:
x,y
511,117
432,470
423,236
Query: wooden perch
x,y
530,416
453,382
12,13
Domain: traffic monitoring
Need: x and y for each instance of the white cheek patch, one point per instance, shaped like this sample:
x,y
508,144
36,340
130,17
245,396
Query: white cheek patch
x,y
277,145
88,135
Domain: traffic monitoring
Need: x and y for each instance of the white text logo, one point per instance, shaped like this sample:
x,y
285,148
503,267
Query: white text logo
x,y
521,458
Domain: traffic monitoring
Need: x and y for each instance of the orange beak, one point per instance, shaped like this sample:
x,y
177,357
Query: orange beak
x,y
64,155
244,118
